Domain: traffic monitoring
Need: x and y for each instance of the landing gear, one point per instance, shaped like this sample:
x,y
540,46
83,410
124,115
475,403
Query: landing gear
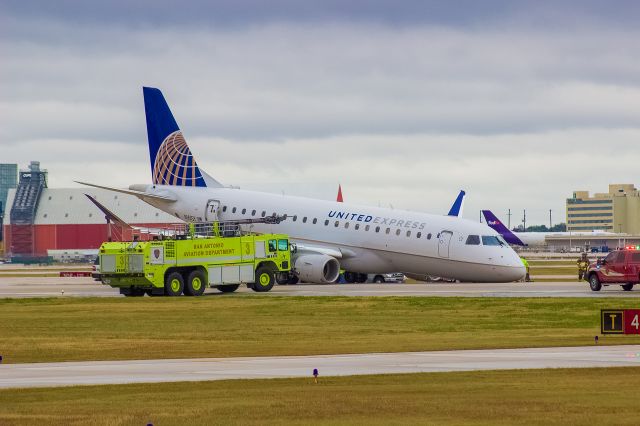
x,y
228,288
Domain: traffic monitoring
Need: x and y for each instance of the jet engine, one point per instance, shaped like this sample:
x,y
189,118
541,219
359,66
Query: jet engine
x,y
317,268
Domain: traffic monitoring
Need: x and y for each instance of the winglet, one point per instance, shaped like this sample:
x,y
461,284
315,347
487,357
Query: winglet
x,y
499,227
458,205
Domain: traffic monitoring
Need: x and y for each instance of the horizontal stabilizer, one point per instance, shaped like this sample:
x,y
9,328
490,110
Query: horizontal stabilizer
x,y
166,196
108,213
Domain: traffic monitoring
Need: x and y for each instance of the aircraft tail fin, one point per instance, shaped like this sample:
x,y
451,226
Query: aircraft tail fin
x,y
171,160
458,205
499,227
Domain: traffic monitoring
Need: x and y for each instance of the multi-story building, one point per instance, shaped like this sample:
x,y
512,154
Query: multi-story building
x,y
8,180
615,211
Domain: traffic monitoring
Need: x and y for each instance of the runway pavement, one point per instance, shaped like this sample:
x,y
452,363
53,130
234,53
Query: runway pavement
x,y
153,371
19,287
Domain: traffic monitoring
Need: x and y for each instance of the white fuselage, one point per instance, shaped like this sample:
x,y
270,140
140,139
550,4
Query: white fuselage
x,y
364,239
540,238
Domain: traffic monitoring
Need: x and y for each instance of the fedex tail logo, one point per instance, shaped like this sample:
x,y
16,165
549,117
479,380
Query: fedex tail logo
x,y
493,222
175,165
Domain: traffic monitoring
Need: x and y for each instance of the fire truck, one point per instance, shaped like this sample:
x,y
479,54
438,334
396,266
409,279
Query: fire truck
x,y
196,256
620,267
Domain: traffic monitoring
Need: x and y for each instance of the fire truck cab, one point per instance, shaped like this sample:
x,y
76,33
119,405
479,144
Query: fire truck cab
x,y
620,267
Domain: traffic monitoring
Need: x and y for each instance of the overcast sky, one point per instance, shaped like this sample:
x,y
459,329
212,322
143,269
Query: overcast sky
x,y
403,102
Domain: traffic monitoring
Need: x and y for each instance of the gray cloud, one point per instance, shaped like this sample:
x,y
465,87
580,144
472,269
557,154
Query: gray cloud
x,y
403,108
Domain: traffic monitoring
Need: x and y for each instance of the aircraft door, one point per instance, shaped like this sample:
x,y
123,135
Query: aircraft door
x,y
211,213
443,243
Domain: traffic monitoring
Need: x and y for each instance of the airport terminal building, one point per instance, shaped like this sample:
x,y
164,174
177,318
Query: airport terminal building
x,y
615,211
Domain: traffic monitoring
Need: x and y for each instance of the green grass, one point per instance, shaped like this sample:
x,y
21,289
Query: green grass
x,y
554,271
47,330
524,397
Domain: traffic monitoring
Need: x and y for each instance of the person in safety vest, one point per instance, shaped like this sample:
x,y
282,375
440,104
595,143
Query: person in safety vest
x,y
583,265
527,278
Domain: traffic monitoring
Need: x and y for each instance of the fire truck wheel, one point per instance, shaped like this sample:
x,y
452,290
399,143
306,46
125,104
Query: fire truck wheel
x,y
594,283
265,280
228,288
173,284
196,284
627,287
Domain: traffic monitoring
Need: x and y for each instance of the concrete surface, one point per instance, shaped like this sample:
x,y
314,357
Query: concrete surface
x,y
17,287
147,371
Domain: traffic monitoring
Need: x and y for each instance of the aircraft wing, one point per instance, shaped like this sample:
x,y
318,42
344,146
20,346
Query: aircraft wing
x,y
165,196
338,253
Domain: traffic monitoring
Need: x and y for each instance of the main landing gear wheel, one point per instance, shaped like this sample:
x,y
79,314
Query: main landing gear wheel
x,y
173,284
228,288
195,284
265,280
594,283
627,287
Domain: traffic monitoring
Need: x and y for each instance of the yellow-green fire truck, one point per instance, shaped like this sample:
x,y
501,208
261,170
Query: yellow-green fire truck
x,y
188,262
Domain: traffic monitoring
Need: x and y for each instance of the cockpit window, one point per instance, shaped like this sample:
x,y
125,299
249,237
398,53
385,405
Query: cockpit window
x,y
473,240
491,240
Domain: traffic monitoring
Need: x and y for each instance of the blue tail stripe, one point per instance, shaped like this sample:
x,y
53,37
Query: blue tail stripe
x,y
455,208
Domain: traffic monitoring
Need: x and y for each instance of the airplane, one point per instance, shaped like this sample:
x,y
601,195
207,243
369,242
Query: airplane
x,y
328,235
529,238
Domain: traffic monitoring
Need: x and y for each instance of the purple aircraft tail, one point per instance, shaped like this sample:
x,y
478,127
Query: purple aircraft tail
x,y
497,226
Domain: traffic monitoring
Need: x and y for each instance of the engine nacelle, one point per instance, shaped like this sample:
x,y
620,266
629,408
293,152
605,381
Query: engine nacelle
x,y
317,268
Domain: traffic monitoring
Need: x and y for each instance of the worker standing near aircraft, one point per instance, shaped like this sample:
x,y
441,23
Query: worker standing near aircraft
x,y
527,278
583,265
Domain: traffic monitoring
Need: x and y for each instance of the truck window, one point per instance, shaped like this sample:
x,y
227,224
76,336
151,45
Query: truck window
x,y
272,245
283,245
473,240
620,257
635,257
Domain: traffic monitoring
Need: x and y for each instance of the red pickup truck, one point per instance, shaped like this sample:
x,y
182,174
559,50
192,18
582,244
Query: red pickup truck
x,y
620,267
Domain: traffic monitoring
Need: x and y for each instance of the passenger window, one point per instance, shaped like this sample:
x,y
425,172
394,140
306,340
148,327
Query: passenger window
x,y
620,257
473,240
428,236
337,223
315,220
419,234
224,208
244,211
610,257
272,245
366,228
234,210
398,232
388,230
357,226
346,225
490,240
326,222
283,245
295,218
408,233
253,212
264,213
304,219
377,229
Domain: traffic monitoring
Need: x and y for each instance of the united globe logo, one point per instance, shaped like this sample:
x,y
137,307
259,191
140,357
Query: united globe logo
x,y
175,165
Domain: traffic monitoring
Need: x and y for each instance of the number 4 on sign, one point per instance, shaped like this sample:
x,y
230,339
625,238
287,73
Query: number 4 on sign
x,y
635,322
